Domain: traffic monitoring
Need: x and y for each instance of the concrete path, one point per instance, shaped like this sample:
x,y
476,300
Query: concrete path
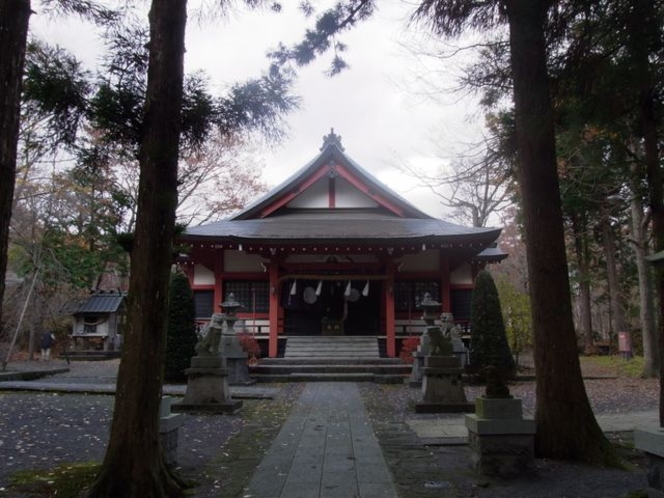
x,y
326,449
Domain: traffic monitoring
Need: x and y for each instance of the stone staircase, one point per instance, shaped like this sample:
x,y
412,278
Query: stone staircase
x,y
331,359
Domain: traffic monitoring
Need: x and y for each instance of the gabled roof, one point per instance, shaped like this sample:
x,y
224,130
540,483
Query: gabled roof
x,y
302,210
331,161
101,302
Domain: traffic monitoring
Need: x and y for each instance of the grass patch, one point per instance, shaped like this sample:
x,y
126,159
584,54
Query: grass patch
x,y
64,481
632,368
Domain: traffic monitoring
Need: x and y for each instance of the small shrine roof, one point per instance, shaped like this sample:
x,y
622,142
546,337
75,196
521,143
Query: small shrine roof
x,y
101,302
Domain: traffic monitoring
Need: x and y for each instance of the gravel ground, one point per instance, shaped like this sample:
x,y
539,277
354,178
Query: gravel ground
x,y
43,430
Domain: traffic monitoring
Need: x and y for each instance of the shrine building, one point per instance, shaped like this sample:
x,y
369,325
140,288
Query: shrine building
x,y
333,251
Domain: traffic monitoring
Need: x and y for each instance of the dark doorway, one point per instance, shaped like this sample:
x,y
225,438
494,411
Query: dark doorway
x,y
317,307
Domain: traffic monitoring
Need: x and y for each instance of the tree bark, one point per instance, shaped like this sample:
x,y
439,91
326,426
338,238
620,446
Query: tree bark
x,y
14,19
582,261
134,465
566,426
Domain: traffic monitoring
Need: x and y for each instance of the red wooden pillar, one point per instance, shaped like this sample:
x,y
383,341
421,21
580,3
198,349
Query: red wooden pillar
x,y
218,279
445,295
274,309
390,324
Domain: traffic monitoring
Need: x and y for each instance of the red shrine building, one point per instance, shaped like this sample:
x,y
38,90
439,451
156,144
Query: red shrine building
x,y
333,251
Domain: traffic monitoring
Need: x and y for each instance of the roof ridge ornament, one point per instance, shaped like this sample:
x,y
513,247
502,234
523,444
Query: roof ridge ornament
x,y
332,139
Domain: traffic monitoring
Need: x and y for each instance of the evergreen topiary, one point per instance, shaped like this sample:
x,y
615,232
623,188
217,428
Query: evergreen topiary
x,y
181,335
488,341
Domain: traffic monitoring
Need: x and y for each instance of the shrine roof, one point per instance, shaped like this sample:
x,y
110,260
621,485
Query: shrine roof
x,y
309,208
101,302
324,225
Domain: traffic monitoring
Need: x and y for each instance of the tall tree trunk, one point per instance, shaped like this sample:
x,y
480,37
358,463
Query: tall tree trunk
x,y
134,465
582,261
566,426
14,19
618,322
646,300
645,33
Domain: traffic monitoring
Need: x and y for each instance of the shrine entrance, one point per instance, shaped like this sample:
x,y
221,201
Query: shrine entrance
x,y
331,307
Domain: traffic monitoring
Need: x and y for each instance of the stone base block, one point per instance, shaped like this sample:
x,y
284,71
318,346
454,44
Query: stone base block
x,y
425,407
495,427
498,408
443,389
208,362
445,362
228,407
502,455
414,383
207,391
651,442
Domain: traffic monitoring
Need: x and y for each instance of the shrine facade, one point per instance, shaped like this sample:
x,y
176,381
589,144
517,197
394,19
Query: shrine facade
x,y
333,251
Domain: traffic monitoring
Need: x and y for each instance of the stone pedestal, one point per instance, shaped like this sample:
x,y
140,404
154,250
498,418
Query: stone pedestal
x,y
442,388
236,360
501,440
651,442
459,349
207,387
415,379
169,429
423,350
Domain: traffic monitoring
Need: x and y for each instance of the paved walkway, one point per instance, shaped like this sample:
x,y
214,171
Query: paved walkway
x,y
326,449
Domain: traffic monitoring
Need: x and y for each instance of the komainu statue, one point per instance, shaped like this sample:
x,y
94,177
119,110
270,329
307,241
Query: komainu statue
x,y
210,340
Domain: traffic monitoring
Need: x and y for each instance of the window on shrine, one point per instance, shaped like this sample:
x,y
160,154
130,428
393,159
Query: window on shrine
x,y
253,295
90,323
204,303
409,294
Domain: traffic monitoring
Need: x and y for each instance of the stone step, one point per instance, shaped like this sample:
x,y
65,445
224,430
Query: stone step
x,y
330,377
331,346
326,360
393,369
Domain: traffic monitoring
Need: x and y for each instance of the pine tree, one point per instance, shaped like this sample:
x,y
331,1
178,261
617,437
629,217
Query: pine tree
x,y
181,335
489,339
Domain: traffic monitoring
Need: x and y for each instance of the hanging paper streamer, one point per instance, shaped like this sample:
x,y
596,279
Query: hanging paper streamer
x,y
319,289
348,289
365,291
293,289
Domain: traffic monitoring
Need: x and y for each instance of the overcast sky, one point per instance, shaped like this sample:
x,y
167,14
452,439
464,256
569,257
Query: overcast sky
x,y
378,106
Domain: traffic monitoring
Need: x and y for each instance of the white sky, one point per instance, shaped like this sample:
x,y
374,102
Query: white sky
x,y
377,105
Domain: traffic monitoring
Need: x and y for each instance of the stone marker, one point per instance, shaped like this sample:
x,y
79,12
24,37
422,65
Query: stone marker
x,y
169,427
501,440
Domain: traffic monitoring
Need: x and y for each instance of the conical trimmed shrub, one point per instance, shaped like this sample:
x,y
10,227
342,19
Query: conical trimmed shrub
x,y
489,344
181,336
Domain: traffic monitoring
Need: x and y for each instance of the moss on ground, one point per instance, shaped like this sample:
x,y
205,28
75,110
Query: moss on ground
x,y
241,454
228,474
64,481
632,368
